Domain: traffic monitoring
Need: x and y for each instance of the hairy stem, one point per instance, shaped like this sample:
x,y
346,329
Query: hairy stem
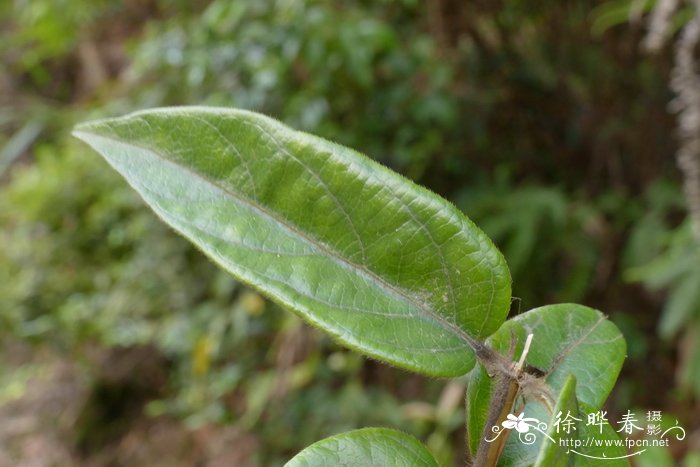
x,y
506,390
507,382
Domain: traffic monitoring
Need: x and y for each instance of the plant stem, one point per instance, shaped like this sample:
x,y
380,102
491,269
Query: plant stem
x,y
507,386
504,398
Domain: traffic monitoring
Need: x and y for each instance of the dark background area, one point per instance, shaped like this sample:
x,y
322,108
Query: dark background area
x,y
545,122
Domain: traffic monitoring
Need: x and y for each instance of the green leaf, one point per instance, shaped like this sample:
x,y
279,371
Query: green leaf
x,y
478,401
553,454
385,266
583,445
568,340
378,447
591,453
562,453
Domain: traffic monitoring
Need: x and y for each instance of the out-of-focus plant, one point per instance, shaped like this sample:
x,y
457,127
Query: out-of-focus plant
x,y
63,231
667,17
316,67
664,255
551,242
663,456
674,269
82,273
44,31
660,255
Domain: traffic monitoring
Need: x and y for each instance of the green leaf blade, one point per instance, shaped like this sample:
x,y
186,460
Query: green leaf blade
x,y
552,454
386,267
615,454
378,447
570,339
573,345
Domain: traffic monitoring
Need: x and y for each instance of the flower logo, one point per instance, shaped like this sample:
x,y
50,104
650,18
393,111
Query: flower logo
x,y
519,423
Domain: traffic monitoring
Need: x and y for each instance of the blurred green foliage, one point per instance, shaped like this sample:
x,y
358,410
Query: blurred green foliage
x,y
102,270
549,239
347,72
666,257
543,123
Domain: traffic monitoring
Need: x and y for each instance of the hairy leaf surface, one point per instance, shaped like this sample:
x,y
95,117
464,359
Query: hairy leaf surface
x,y
385,266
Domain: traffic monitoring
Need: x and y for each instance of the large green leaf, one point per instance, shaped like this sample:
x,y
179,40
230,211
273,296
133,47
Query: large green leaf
x,y
383,265
369,447
568,340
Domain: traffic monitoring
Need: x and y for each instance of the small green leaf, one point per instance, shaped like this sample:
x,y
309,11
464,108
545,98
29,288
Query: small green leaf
x,y
568,340
583,445
368,447
479,392
385,266
563,453
553,454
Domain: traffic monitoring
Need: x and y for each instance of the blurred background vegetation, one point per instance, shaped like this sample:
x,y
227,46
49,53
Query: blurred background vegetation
x,y
546,122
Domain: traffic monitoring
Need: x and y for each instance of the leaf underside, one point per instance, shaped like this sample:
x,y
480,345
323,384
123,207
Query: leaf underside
x,y
385,266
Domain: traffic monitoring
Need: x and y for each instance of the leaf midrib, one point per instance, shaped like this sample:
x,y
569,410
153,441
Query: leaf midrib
x,y
575,343
473,343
